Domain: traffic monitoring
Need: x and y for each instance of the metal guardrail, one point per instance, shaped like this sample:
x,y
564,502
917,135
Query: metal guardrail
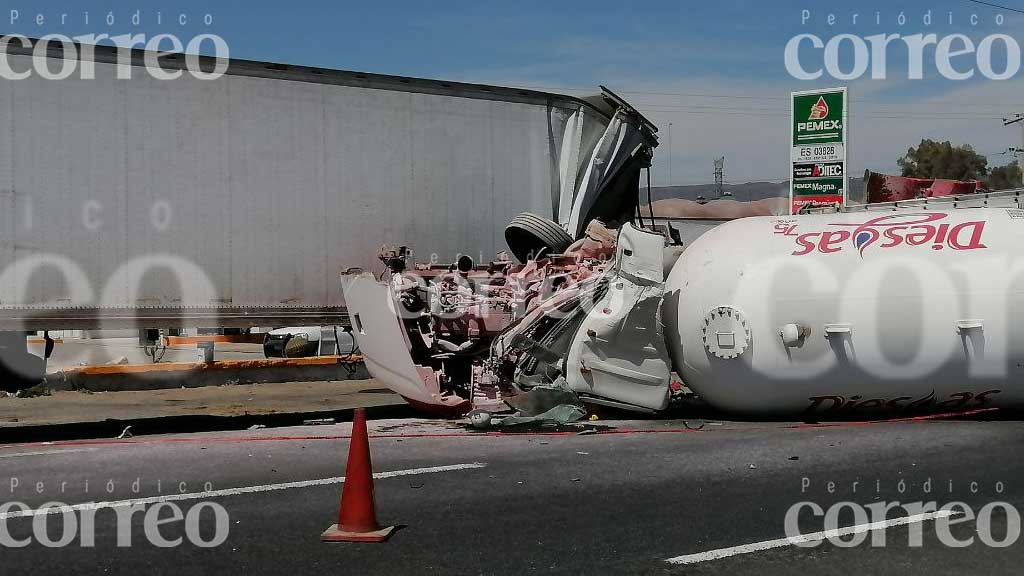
x,y
1000,199
38,318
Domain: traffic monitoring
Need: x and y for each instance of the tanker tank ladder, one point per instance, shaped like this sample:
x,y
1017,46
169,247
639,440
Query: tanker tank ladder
x,y
1009,199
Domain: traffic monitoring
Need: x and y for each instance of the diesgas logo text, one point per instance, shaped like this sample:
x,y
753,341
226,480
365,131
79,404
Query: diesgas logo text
x,y
893,231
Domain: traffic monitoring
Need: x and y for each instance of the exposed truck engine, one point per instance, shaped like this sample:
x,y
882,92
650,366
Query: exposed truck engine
x,y
478,335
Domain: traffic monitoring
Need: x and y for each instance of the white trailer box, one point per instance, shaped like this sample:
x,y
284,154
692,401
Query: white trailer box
x,y
238,201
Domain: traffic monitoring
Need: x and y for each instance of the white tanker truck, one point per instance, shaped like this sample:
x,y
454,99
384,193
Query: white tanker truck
x,y
894,309
889,309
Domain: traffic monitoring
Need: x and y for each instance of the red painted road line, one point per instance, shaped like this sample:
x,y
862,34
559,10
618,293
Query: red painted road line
x,y
228,440
624,431
897,420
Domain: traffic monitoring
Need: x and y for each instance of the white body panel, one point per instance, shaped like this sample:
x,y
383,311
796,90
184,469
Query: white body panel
x,y
619,352
382,340
897,310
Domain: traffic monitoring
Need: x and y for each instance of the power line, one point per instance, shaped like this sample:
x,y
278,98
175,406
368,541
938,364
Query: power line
x,y
891,108
653,111
876,106
1017,10
786,111
781,111
741,180
950,106
733,180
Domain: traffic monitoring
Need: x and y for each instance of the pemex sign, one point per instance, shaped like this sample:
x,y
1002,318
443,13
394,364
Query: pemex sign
x,y
818,158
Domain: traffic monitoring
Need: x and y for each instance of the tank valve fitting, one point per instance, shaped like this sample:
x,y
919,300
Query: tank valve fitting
x,y
792,334
726,334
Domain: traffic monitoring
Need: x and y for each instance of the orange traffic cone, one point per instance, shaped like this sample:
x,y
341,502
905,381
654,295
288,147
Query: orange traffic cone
x,y
357,519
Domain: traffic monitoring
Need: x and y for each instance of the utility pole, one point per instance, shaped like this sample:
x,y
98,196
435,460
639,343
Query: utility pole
x,y
670,154
1018,117
720,177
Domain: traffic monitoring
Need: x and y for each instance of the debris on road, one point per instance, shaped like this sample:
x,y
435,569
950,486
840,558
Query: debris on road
x,y
559,415
544,398
547,407
34,392
544,406
480,419
317,421
126,433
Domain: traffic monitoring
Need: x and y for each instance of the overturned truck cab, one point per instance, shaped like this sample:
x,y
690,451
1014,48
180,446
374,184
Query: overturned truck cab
x,y
451,340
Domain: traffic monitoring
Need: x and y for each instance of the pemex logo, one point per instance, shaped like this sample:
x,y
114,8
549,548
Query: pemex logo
x,y
824,121
820,110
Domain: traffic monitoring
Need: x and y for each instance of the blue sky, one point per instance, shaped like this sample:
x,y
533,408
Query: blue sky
x,y
715,70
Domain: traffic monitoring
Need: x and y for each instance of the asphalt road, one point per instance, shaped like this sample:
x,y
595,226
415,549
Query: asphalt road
x,y
620,503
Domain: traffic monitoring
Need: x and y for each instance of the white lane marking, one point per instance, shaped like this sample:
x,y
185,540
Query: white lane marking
x,y
813,537
231,491
46,452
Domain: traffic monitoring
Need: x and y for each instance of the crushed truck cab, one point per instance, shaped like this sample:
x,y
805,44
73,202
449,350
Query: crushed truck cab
x,y
449,339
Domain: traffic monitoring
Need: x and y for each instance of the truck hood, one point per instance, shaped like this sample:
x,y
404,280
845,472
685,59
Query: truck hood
x,y
605,146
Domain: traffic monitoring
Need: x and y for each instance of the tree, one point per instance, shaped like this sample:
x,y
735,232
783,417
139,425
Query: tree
x,y
943,160
1004,177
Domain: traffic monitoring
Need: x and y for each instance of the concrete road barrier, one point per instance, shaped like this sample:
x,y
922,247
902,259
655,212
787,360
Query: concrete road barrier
x,y
136,377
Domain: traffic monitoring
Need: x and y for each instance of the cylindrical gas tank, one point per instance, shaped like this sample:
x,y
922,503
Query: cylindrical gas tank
x,y
836,315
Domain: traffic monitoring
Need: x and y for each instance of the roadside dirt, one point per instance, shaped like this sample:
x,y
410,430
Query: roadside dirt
x,y
231,400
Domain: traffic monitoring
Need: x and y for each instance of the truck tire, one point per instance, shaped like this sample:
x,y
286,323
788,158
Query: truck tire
x,y
24,372
530,236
